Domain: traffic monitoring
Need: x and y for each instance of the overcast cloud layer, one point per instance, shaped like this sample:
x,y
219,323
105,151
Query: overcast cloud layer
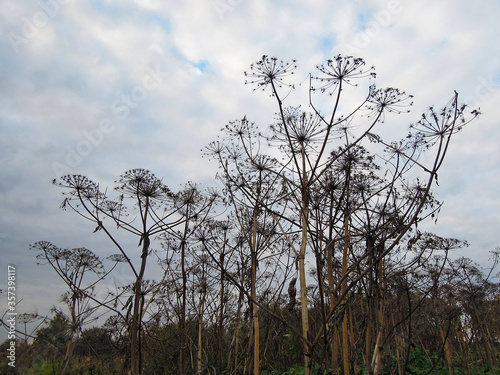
x,y
100,87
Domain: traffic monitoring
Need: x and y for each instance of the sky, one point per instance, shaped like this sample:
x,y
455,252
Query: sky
x,y
99,87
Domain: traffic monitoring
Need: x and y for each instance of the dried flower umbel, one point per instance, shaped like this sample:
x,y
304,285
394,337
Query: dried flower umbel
x,y
388,99
300,129
270,71
143,184
341,69
436,125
